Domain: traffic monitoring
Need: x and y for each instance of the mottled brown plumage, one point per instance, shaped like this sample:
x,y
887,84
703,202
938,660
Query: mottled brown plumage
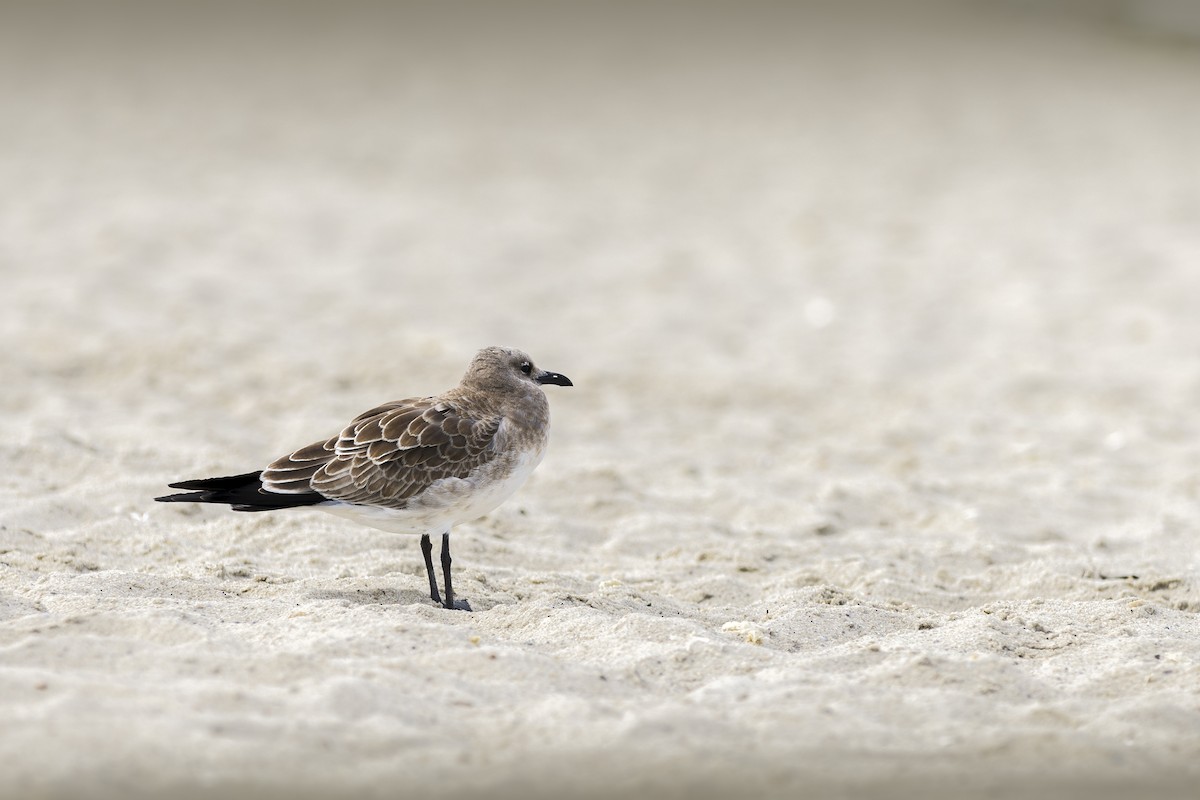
x,y
389,455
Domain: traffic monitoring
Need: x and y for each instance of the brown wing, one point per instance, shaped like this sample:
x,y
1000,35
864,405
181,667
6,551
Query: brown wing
x,y
388,455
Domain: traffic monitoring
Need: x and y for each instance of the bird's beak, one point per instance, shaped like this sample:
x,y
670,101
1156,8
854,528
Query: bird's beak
x,y
555,378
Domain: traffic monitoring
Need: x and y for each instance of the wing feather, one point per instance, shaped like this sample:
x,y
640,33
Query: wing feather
x,y
293,473
368,430
396,424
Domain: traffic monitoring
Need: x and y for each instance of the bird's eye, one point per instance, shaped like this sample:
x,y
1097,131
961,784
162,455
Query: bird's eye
x,y
526,367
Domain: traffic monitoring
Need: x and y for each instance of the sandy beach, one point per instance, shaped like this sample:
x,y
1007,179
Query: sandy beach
x,y
880,476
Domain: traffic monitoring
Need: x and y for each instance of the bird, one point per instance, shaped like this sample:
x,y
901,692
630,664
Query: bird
x,y
415,466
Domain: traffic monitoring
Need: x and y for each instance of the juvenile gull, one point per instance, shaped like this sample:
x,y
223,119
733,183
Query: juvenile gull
x,y
419,466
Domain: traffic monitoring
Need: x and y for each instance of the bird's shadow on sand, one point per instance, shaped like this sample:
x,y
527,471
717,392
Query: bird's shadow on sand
x,y
371,597
390,597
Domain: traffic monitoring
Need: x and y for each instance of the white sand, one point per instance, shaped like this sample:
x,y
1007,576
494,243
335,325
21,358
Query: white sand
x,y
881,471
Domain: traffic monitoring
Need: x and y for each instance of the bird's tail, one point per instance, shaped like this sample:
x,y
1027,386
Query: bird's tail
x,y
239,492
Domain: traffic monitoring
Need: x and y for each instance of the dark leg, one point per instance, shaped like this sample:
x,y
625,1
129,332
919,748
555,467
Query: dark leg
x,y
446,571
462,605
427,550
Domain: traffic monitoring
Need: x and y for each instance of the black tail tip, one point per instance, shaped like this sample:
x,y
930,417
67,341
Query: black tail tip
x,y
185,497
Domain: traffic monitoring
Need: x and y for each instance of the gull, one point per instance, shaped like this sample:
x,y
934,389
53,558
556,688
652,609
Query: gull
x,y
418,466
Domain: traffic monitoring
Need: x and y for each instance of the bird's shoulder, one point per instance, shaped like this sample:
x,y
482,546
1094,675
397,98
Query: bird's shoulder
x,y
418,423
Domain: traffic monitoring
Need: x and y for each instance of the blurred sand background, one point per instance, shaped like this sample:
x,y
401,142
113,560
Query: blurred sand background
x,y
879,477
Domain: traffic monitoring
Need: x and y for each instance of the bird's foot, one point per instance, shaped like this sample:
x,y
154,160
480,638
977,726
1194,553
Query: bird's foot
x,y
458,605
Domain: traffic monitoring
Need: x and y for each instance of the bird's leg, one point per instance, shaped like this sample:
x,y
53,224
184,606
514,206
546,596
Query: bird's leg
x,y
427,551
446,571
463,604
